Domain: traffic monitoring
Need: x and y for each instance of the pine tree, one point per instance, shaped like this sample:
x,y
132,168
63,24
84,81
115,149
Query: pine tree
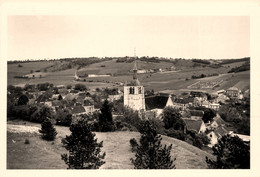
x,y
150,153
106,123
47,130
84,150
231,152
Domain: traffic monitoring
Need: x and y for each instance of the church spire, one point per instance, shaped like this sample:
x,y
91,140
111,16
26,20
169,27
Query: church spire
x,y
135,71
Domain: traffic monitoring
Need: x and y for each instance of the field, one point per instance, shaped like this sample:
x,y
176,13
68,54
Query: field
x,y
40,154
121,72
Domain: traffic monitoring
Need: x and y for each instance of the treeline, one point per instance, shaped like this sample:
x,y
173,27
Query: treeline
x,y
201,61
244,67
203,75
229,61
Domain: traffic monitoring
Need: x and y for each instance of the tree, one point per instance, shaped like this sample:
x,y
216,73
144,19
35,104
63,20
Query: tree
x,y
41,114
23,100
63,117
170,117
231,152
60,97
150,154
84,150
106,123
80,87
48,131
69,86
208,115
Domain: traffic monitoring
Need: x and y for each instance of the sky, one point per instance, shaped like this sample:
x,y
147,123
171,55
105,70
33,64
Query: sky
x,y
53,37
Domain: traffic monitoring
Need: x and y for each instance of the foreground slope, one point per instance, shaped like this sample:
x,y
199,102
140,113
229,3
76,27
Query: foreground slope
x,y
41,154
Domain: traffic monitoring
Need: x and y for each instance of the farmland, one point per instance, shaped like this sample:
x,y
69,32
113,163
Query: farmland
x,y
179,78
40,154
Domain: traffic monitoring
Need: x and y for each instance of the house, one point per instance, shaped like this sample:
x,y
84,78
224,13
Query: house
x,y
157,103
42,99
77,110
213,138
197,94
56,103
234,92
141,71
88,106
205,104
216,134
183,103
245,138
217,122
196,114
221,98
112,98
195,125
214,106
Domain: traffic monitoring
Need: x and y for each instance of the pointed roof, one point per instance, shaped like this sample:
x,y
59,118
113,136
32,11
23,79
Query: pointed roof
x,y
134,81
193,124
156,102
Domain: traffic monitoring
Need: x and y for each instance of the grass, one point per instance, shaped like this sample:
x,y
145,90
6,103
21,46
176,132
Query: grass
x,y
40,154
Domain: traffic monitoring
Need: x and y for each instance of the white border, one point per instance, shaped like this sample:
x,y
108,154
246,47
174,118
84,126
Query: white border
x,y
135,8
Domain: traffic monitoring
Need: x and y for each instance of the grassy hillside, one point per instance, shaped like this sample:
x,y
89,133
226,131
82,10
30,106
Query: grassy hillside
x,y
41,154
121,72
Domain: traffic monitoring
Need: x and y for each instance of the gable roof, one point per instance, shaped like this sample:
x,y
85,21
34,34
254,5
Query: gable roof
x,y
157,101
78,109
87,103
197,113
192,124
184,100
219,120
233,88
220,131
56,103
70,97
42,98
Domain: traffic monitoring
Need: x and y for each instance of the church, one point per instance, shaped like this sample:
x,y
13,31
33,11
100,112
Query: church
x,y
134,93
134,97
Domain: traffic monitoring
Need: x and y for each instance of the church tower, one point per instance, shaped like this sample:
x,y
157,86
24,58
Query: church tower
x,y
134,93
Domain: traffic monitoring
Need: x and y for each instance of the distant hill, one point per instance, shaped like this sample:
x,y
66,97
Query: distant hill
x,y
41,154
162,74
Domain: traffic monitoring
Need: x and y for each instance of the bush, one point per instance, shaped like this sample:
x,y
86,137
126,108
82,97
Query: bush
x,y
231,152
84,150
80,87
133,144
26,141
150,153
23,100
48,131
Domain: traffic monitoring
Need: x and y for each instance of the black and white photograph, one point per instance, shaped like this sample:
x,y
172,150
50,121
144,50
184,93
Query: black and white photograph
x,y
136,91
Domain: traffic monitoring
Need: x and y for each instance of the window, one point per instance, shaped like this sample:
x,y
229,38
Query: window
x,y
131,90
140,90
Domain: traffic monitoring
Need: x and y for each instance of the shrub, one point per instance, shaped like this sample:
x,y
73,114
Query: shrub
x,y
84,150
133,144
231,152
26,141
48,131
80,87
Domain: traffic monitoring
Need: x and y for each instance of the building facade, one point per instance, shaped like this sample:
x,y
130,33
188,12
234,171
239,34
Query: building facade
x,y
134,93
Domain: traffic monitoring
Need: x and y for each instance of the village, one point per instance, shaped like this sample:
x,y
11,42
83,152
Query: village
x,y
80,101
